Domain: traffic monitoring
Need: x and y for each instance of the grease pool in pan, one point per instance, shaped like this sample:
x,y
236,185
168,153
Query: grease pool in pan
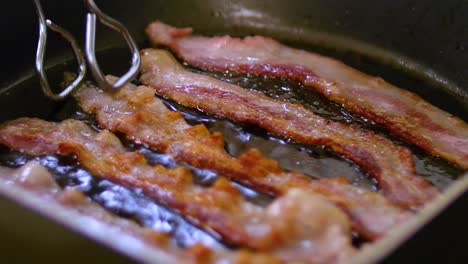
x,y
313,161
440,172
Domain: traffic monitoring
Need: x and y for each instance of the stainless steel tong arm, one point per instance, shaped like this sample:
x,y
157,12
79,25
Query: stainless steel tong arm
x,y
91,44
93,15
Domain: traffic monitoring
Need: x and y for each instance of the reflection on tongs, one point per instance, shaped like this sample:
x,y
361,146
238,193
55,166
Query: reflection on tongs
x,y
94,12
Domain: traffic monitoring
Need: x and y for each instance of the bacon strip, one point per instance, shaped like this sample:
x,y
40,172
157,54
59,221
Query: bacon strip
x,y
390,164
312,232
402,112
137,113
35,178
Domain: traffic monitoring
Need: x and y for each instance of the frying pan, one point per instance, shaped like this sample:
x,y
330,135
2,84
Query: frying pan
x,y
426,40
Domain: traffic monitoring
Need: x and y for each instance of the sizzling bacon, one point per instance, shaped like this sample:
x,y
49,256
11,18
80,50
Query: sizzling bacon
x,y
35,178
296,231
402,112
137,113
390,164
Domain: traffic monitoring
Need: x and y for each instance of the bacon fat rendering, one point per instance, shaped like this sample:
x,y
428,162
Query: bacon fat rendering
x,y
391,165
137,113
403,113
316,232
35,178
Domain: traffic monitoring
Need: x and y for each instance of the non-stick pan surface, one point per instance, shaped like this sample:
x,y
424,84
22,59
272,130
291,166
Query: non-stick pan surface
x,y
426,40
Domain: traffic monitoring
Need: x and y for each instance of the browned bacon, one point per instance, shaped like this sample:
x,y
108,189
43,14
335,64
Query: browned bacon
x,y
402,112
137,113
390,164
315,231
35,178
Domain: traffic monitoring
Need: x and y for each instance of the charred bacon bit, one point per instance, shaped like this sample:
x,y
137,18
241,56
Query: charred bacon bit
x,y
390,164
35,178
137,113
400,111
219,207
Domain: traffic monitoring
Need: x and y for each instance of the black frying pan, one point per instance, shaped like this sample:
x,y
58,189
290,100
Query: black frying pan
x,y
426,40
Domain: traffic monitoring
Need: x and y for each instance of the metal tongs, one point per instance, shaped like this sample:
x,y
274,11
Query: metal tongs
x,y
94,12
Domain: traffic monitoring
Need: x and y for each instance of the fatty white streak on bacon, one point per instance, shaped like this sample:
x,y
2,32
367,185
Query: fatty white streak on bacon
x,y
390,164
402,112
